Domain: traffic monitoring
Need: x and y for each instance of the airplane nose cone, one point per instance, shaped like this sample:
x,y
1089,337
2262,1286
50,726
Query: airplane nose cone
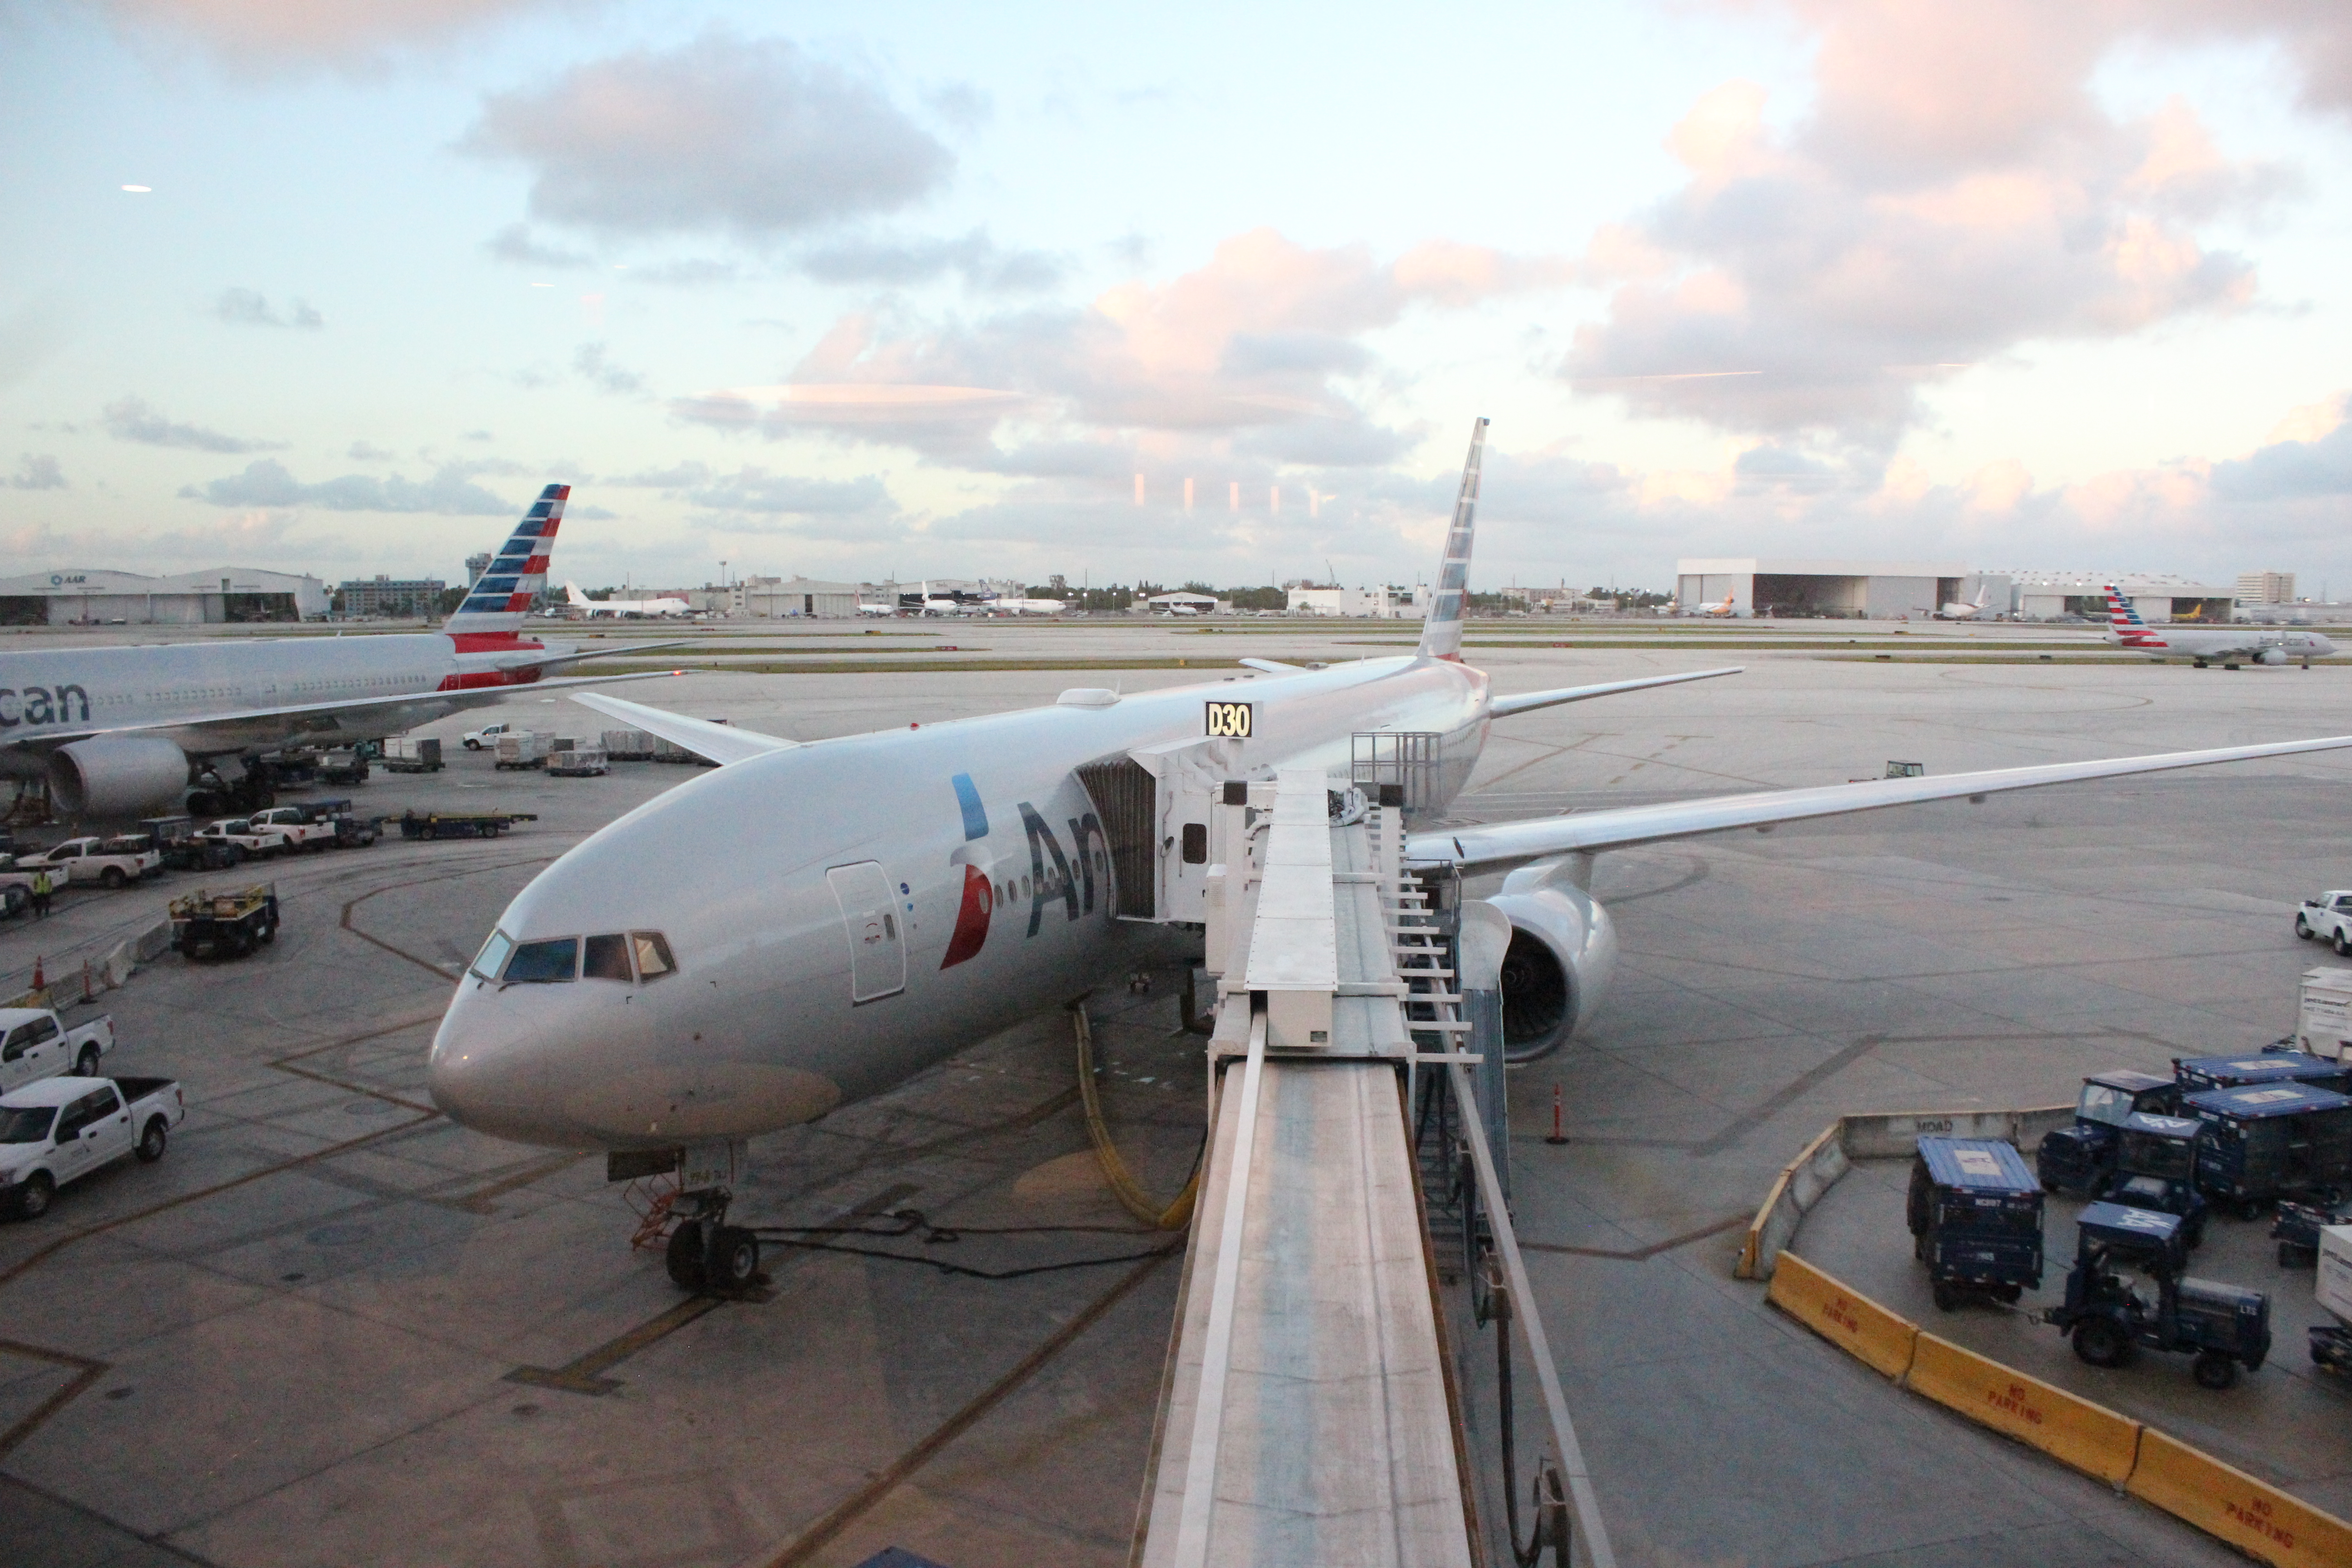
x,y
483,1072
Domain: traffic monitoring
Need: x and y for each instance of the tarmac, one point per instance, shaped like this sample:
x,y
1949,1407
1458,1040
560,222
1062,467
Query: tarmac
x,y
331,1327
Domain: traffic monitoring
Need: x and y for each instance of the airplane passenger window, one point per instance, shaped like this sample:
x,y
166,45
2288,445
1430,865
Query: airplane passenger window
x,y
494,956
607,958
556,959
653,955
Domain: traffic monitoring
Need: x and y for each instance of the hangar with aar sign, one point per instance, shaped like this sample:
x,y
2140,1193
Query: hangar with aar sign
x,y
89,596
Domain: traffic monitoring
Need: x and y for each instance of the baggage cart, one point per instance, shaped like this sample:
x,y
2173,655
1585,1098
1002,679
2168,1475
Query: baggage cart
x,y
2196,1074
523,749
2264,1140
628,746
2156,1168
2324,1013
403,756
181,851
348,766
2331,1344
461,824
1975,1212
206,924
577,762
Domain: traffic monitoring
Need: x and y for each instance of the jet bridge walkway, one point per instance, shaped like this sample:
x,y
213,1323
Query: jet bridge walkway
x,y
1309,1414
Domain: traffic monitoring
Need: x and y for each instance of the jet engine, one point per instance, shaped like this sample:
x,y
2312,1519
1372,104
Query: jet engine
x,y
117,775
2271,656
1563,950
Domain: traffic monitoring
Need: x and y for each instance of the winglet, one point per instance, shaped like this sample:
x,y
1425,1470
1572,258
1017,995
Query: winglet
x,y
1441,634
722,743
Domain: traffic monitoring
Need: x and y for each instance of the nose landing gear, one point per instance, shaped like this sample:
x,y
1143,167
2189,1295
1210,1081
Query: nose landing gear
x,y
706,1253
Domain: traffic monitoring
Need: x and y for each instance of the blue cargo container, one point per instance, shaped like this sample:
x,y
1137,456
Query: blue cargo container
x,y
2263,1140
2081,1158
1976,1219
2197,1074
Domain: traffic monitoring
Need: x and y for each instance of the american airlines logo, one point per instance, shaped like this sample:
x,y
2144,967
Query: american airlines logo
x,y
43,705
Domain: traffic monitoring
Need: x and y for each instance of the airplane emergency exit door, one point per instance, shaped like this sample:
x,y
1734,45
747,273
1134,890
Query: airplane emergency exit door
x,y
878,941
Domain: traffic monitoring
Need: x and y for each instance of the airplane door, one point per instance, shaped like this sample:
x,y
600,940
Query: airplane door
x,y
878,941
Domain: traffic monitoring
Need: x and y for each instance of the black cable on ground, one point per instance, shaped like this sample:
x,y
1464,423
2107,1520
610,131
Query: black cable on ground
x,y
911,1223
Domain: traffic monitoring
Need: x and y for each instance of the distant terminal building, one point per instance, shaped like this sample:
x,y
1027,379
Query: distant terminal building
x,y
2266,587
1859,590
400,597
1386,603
95,597
2157,597
474,566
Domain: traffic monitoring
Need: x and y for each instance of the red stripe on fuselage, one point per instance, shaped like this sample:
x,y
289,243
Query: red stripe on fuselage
x,y
483,679
493,642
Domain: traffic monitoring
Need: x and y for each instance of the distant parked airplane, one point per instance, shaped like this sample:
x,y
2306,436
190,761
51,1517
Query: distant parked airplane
x,y
598,610
1026,606
2233,647
1721,607
1958,611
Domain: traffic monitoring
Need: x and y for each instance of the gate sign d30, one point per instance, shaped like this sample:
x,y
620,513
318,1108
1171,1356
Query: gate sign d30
x,y
1229,720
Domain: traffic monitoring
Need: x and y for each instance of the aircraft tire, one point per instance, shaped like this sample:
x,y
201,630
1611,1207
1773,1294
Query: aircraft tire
x,y
685,1258
734,1260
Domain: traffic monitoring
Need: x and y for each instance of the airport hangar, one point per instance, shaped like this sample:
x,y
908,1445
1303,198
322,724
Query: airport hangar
x,y
95,597
1888,590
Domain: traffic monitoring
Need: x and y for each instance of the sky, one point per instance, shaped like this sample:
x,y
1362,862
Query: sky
x,y
917,289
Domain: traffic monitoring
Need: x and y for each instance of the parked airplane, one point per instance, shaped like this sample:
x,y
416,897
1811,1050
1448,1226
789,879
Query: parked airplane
x,y
1961,611
864,608
937,884
117,730
1026,606
2232,646
591,609
1721,607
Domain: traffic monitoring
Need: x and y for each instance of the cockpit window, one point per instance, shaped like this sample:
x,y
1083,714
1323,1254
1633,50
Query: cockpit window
x,y
493,956
543,960
653,955
607,958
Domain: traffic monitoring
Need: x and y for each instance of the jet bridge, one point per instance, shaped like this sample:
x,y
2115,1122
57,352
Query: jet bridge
x,y
1310,1412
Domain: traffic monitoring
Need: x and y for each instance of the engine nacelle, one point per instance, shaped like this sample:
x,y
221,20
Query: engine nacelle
x,y
2271,656
117,775
1563,950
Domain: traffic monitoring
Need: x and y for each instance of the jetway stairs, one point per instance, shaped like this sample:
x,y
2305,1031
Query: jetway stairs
x,y
1311,1413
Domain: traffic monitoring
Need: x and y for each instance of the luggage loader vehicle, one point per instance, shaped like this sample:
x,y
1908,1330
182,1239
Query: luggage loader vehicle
x,y
2110,1321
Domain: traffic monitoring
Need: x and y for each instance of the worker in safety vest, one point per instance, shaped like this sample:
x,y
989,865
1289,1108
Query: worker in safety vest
x,y
42,889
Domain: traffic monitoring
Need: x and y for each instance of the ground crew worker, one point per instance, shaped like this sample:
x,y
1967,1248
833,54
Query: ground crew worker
x,y
41,890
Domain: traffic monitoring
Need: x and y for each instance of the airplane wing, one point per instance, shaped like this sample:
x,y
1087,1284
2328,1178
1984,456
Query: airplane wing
x,y
722,743
550,660
234,726
1528,701
1272,666
1504,844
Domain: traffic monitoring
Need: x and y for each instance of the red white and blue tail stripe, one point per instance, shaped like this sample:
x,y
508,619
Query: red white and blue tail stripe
x,y
1441,631
498,601
2123,620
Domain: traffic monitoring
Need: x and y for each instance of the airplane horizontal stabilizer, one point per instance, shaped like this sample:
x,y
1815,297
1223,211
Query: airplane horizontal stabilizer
x,y
1528,701
1499,845
722,743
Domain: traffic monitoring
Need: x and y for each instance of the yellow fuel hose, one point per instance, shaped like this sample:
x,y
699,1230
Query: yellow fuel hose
x,y
1130,1192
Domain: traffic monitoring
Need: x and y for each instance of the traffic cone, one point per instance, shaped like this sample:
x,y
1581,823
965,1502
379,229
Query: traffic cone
x,y
38,981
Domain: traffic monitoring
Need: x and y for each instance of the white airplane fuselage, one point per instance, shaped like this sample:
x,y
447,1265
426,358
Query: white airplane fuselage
x,y
2255,645
51,692
760,1025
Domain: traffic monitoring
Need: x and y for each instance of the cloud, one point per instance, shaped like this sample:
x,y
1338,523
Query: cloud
x,y
245,307
514,243
365,452
974,258
753,502
132,420
592,366
265,36
1263,343
749,138
1955,189
2316,463
265,483
36,472
677,477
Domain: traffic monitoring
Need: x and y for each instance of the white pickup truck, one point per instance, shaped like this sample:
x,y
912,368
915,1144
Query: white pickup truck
x,y
251,839
2327,918
35,1045
295,822
62,1128
487,736
109,862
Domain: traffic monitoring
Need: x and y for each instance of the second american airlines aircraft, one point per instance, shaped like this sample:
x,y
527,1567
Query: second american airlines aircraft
x,y
848,912
116,731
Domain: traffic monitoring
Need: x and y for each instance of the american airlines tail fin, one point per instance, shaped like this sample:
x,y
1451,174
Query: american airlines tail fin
x,y
497,603
2124,623
1441,634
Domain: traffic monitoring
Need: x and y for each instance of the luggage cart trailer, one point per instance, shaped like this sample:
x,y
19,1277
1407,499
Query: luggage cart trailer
x,y
2331,1344
1975,1212
2197,1074
2267,1139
